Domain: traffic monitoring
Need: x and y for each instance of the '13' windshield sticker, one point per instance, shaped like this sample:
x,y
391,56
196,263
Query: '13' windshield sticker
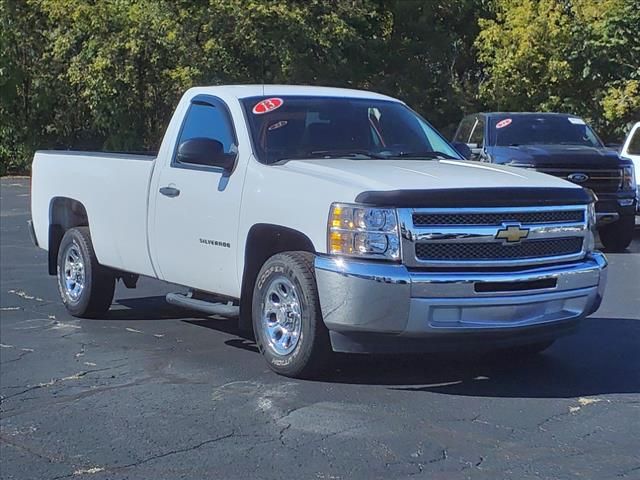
x,y
504,123
266,106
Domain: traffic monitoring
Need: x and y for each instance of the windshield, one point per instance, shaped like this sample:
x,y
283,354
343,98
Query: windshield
x,y
518,130
324,127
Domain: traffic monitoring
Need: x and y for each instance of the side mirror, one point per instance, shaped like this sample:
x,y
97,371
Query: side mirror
x,y
206,152
614,146
463,149
476,151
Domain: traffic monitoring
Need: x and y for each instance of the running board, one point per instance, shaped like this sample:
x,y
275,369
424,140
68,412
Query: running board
x,y
223,309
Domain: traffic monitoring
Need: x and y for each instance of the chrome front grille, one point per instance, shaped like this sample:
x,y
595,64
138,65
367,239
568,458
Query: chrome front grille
x,y
600,181
498,251
549,216
485,237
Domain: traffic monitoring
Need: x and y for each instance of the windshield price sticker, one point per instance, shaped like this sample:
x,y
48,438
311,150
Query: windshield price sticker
x,y
504,123
577,121
268,105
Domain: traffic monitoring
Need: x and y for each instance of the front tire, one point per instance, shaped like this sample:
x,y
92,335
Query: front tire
x,y
86,287
287,320
616,237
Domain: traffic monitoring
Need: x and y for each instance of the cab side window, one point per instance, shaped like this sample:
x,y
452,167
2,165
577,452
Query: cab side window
x,y
634,144
464,129
477,136
204,120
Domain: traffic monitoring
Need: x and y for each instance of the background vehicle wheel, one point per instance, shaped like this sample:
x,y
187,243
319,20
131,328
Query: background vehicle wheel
x,y
86,287
617,236
287,320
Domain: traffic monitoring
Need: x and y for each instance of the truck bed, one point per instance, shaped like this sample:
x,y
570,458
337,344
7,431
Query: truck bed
x,y
112,187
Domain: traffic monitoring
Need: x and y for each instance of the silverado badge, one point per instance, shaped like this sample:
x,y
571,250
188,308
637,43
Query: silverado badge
x,y
512,233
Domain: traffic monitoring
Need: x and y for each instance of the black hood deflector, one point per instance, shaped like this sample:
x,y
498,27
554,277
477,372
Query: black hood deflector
x,y
478,197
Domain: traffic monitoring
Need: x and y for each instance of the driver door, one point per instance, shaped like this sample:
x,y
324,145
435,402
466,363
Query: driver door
x,y
197,207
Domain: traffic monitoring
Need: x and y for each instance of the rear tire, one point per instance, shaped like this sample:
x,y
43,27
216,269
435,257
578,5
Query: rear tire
x,y
86,287
617,236
287,320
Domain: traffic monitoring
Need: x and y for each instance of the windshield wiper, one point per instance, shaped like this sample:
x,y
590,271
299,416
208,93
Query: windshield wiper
x,y
346,153
426,154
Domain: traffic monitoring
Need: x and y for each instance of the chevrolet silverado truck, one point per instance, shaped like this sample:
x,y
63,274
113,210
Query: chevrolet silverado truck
x,y
566,147
325,220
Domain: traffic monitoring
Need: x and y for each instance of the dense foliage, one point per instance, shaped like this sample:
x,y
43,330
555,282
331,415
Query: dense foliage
x,y
106,74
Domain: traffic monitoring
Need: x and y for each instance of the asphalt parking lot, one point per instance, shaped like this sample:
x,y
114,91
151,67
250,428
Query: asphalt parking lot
x,y
152,392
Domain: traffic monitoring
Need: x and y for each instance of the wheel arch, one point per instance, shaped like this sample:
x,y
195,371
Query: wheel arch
x,y
263,241
64,213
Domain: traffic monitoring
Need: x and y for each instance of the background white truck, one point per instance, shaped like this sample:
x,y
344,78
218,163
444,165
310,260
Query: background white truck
x,y
327,219
631,150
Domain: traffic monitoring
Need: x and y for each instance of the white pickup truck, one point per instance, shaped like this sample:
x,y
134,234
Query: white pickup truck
x,y
325,219
631,150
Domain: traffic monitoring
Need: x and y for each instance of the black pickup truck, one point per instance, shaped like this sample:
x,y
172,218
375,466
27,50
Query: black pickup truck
x,y
564,146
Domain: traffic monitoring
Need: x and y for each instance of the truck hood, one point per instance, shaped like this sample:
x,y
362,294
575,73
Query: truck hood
x,y
419,174
558,156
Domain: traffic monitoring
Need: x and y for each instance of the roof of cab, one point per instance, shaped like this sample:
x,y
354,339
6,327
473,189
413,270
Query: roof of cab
x,y
515,114
247,91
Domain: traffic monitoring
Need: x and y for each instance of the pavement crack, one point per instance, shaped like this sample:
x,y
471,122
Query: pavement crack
x,y
24,448
444,455
551,418
282,432
55,381
179,450
627,472
25,351
151,458
420,465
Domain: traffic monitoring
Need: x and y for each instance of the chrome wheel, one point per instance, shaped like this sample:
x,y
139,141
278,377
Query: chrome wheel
x,y
281,316
73,274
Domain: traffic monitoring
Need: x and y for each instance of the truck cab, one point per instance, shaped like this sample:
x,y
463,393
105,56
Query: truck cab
x,y
563,146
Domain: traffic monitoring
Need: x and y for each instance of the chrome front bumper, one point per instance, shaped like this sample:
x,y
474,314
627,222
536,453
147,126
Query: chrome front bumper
x,y
381,302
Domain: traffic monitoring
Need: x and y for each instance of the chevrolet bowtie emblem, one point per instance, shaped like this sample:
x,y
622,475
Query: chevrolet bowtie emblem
x,y
512,233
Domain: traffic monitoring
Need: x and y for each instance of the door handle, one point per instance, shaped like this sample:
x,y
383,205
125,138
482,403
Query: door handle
x,y
170,191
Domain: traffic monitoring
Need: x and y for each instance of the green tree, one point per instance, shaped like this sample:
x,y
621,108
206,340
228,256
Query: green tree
x,y
107,74
28,86
576,56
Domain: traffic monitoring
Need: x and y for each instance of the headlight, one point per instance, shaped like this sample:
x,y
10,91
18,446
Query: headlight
x,y
591,215
590,240
628,178
363,232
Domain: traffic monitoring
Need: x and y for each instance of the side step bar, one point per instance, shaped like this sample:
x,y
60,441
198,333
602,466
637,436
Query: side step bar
x,y
218,308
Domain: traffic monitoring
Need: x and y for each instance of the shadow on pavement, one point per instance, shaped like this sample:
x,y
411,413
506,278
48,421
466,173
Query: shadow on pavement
x,y
602,358
148,308
156,308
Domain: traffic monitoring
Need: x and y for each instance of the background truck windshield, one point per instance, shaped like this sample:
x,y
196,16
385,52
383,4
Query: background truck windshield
x,y
321,127
541,130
